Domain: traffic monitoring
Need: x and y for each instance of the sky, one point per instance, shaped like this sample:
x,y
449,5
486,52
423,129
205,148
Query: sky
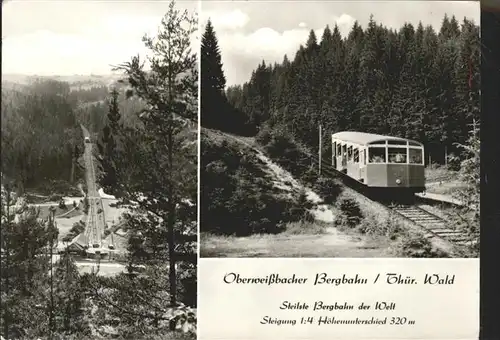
x,y
251,31
69,37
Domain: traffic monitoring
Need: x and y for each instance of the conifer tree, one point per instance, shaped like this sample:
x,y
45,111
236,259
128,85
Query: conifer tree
x,y
163,180
107,145
69,298
213,80
467,217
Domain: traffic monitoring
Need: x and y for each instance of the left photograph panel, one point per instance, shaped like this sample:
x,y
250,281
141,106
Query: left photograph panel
x,y
99,154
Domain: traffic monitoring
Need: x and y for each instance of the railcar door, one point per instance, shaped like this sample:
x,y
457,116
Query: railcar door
x,y
338,156
362,164
334,155
344,158
353,162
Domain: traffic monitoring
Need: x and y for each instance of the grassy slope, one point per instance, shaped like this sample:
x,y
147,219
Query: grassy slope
x,y
442,181
306,239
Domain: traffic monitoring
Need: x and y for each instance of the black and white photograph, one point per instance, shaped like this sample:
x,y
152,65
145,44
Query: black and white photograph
x,y
99,155
340,129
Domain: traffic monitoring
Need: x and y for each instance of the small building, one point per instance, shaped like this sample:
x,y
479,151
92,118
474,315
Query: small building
x,y
78,244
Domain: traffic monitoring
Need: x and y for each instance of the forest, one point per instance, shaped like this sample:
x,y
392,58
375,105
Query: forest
x,y
144,130
41,136
413,82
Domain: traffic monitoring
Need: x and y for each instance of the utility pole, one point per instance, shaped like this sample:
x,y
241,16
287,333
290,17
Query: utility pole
x,y
5,243
51,235
319,170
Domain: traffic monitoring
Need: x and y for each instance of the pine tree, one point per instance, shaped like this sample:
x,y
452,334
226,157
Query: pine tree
x,y
107,145
69,299
164,176
466,74
467,217
25,283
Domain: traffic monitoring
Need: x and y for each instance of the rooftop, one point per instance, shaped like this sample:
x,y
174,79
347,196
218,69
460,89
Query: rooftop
x,y
366,138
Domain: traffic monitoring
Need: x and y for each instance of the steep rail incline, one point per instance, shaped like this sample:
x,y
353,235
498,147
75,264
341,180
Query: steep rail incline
x,y
433,225
95,218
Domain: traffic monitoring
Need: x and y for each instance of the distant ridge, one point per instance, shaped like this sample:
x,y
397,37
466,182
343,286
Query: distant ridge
x,y
25,79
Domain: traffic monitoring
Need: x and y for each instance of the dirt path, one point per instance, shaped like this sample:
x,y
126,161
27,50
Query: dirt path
x,y
331,244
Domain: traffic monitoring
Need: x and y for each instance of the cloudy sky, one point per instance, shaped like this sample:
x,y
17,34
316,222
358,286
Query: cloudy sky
x,y
250,31
70,37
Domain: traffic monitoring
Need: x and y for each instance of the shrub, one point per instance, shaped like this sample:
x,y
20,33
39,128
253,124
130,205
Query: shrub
x,y
328,188
281,147
55,198
299,210
418,246
372,225
310,175
78,228
264,136
62,204
305,227
350,209
368,226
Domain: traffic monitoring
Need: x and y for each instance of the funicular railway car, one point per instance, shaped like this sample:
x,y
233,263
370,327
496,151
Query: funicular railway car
x,y
378,161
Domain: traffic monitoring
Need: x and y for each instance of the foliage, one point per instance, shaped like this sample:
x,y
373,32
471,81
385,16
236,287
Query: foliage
x,y
467,217
239,196
38,299
215,109
213,80
328,188
151,169
107,143
62,204
350,213
139,315
41,138
418,246
414,83
75,230
283,149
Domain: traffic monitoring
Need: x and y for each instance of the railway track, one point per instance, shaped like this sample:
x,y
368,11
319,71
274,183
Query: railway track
x,y
94,218
432,224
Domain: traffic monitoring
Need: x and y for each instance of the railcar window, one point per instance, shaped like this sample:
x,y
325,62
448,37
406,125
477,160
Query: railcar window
x,y
344,150
397,155
334,148
356,155
377,155
349,153
339,150
396,142
415,156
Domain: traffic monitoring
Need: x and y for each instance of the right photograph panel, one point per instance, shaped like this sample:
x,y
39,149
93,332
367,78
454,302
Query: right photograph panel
x,y
340,129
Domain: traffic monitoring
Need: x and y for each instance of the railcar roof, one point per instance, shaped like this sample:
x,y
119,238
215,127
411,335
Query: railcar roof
x,y
366,138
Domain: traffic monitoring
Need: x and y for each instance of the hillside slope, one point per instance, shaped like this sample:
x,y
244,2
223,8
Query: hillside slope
x,y
253,207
